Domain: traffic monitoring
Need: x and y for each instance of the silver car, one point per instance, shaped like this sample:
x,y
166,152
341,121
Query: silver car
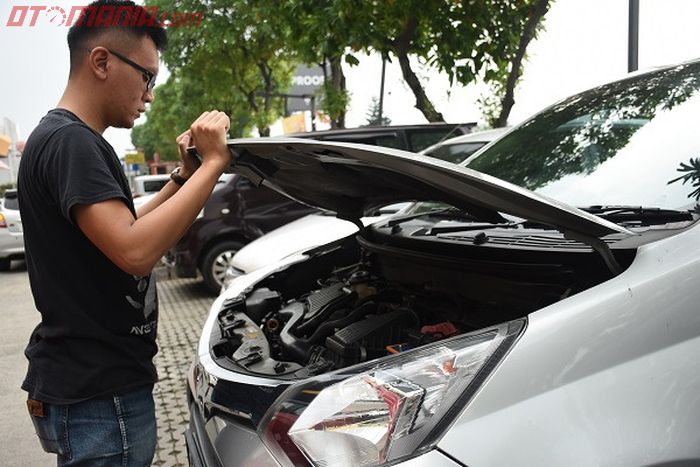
x,y
540,309
11,238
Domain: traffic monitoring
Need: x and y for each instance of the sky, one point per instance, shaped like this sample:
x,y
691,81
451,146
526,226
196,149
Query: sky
x,y
584,44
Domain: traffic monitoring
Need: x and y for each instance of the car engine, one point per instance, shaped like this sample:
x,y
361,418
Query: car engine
x,y
389,301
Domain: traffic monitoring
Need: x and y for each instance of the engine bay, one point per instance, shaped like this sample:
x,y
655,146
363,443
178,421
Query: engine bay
x,y
364,299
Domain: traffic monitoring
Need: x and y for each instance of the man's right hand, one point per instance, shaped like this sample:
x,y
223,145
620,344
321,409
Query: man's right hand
x,y
209,137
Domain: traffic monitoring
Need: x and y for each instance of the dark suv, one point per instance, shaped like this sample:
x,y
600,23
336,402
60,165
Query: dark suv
x,y
238,212
407,137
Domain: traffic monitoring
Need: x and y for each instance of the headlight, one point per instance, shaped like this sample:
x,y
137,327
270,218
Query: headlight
x,y
386,410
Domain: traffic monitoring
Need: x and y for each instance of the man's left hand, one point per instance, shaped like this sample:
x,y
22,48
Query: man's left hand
x,y
189,164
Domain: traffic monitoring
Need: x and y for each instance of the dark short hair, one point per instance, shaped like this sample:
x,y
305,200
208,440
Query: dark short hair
x,y
104,16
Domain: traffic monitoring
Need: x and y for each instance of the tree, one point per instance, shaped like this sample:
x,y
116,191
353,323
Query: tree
x,y
319,34
176,104
244,52
238,52
469,40
373,117
527,18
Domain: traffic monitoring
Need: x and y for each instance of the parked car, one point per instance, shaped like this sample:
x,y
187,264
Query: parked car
x,y
319,228
541,309
11,237
459,148
211,243
141,200
149,184
409,137
236,213
300,235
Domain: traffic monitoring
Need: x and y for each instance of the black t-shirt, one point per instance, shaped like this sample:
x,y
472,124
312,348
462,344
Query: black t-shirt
x,y
98,328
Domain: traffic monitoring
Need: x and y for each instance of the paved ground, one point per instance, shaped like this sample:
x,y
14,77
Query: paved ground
x,y
183,308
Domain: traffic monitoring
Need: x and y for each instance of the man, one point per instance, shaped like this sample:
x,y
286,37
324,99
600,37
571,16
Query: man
x,y
90,254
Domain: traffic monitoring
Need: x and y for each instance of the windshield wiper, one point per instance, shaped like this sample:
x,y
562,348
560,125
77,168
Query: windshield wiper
x,y
645,215
448,212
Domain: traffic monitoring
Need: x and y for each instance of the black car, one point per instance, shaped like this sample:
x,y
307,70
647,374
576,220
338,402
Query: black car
x,y
412,138
238,212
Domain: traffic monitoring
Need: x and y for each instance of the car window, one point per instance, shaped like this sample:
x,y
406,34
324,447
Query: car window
x,y
392,141
455,153
152,186
419,140
11,201
633,142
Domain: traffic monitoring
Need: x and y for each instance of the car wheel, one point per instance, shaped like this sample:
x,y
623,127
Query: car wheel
x,y
5,264
215,263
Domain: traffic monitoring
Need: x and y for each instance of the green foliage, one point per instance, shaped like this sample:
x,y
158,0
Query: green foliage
x,y
468,40
334,102
6,186
176,104
692,175
518,22
245,51
235,61
490,103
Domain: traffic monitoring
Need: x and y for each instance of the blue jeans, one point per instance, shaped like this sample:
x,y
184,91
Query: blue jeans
x,y
115,431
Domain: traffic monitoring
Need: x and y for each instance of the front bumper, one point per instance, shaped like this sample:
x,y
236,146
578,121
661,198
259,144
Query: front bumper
x,y
220,440
223,442
11,245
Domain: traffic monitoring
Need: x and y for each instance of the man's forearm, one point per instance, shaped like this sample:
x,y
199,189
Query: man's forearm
x,y
164,194
163,225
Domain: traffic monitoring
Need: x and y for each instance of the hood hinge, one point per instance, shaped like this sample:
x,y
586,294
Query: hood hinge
x,y
354,219
598,245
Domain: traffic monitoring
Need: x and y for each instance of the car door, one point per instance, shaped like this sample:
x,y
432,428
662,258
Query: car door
x,y
263,209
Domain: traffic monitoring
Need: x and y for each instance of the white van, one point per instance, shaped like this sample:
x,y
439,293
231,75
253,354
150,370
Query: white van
x,y
149,184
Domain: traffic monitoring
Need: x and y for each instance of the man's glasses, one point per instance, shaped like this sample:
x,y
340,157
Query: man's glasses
x,y
150,77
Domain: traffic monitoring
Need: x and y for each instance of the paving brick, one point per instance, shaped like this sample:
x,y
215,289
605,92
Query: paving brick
x,y
183,304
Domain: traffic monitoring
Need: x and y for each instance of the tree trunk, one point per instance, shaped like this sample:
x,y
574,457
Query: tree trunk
x,y
338,82
401,46
538,11
267,96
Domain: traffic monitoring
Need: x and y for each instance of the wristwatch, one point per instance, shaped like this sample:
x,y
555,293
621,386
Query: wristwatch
x,y
176,177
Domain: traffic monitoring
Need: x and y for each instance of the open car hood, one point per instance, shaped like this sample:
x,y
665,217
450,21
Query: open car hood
x,y
352,179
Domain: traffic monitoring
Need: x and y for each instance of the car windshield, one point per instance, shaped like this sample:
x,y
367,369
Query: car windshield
x,y
632,142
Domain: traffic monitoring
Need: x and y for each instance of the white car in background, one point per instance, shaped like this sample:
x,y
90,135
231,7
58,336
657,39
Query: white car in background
x,y
459,148
149,184
318,229
157,182
11,235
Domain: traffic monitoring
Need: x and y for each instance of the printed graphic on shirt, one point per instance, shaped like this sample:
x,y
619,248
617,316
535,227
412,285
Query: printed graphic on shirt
x,y
148,306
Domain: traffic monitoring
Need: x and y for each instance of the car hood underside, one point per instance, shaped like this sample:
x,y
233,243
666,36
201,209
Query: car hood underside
x,y
352,179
